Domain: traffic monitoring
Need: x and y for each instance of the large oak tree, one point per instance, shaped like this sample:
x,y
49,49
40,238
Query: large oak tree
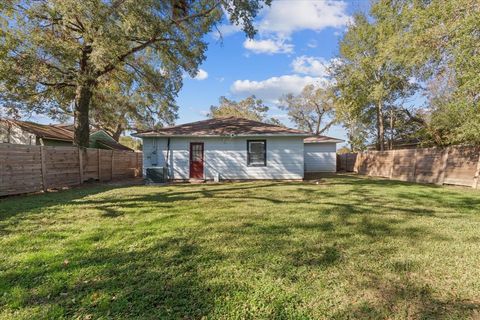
x,y
54,54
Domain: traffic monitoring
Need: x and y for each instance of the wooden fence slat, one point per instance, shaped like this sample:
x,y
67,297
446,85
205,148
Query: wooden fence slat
x,y
44,168
391,166
476,178
26,168
111,168
441,178
99,164
452,165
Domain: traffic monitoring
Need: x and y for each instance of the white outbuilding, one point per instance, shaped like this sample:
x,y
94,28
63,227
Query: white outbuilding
x,y
320,154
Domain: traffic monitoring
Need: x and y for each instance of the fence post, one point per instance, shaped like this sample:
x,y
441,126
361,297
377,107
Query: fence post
x,y
441,178
44,169
414,178
390,175
111,168
99,165
476,178
137,167
80,163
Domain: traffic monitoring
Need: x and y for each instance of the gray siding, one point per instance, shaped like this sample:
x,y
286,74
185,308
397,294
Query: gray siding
x,y
228,157
320,157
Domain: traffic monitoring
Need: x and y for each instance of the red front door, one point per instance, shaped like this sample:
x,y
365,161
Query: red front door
x,y
196,160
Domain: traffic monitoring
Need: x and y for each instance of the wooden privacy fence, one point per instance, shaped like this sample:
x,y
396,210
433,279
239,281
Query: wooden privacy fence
x,y
453,165
346,161
25,168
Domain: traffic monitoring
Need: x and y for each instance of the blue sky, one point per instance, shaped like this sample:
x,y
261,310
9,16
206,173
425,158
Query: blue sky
x,y
295,41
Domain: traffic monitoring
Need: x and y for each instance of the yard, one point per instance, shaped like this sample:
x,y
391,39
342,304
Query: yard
x,y
347,247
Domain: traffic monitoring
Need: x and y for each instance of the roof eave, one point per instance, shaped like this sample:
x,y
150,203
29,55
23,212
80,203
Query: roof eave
x,y
327,141
140,135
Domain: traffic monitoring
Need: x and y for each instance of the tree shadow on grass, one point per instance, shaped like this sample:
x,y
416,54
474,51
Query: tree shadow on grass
x,y
406,299
164,281
173,277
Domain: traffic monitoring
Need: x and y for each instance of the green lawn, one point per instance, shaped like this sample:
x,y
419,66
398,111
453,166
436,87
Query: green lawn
x,y
346,248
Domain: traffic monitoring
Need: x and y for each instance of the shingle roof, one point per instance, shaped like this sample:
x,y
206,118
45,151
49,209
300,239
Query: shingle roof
x,y
113,145
45,131
321,139
62,132
228,126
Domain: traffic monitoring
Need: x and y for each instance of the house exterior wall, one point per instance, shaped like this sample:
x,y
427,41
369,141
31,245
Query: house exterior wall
x,y
227,157
320,157
10,133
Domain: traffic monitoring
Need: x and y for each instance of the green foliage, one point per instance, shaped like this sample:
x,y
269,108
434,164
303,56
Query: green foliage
x,y
119,106
55,55
443,43
367,79
248,108
437,43
312,110
346,248
344,150
132,143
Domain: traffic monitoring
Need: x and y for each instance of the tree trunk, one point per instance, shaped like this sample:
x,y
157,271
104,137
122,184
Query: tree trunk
x,y
118,132
380,127
83,96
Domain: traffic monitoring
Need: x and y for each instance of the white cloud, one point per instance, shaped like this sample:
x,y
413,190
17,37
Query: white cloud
x,y
277,23
286,17
268,46
315,66
283,18
312,43
201,75
272,89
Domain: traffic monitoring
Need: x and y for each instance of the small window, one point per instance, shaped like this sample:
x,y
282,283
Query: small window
x,y
257,153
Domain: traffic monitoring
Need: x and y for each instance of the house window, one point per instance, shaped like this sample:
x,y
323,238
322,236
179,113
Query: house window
x,y
257,153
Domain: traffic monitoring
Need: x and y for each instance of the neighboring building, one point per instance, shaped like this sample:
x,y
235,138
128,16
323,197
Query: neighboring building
x,y
226,148
25,132
320,154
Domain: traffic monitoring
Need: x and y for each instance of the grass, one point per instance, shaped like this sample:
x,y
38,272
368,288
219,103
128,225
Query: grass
x,y
346,248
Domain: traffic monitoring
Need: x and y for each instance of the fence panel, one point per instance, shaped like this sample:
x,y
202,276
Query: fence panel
x,y
346,162
429,165
20,169
25,168
453,165
461,166
63,167
404,165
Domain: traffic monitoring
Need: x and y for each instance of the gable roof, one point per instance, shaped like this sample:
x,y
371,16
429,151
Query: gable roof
x,y
228,126
44,131
113,145
321,139
63,132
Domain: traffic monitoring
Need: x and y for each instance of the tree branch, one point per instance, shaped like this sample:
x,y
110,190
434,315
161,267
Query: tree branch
x,y
154,39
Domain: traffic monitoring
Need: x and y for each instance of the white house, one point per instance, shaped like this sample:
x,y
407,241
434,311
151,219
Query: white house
x,y
232,149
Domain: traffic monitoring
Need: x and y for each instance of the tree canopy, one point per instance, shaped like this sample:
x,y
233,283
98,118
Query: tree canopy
x,y
311,110
248,108
56,55
405,50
